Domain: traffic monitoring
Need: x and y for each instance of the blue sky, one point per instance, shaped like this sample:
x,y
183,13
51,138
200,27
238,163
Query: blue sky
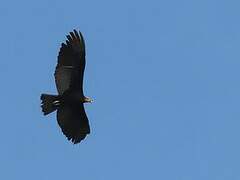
x,y
164,76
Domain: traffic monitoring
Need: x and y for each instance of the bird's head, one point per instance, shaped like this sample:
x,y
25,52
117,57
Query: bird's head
x,y
88,100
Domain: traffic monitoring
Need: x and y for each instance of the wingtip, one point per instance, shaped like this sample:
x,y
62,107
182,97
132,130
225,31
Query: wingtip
x,y
69,38
76,140
75,31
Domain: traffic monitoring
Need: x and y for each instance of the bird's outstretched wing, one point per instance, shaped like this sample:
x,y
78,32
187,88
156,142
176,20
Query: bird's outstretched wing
x,y
71,63
73,121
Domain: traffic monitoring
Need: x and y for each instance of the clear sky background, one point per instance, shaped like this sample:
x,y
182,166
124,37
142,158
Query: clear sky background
x,y
165,77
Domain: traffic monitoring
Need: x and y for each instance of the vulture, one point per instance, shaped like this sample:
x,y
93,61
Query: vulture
x,y
71,116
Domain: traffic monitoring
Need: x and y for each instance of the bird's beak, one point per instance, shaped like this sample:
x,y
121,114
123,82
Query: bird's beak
x,y
88,100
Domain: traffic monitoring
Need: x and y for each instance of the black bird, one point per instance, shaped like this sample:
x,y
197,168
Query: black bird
x,y
69,72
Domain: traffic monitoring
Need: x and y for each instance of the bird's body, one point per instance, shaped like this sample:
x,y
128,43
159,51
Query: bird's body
x,y
69,73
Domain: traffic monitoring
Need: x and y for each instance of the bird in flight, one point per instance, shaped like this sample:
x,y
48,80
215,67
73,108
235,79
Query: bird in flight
x,y
71,116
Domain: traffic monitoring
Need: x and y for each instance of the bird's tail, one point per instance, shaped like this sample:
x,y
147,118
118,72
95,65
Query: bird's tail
x,y
49,103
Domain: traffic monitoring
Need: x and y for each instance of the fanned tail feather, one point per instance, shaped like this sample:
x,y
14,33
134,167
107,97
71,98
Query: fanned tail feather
x,y
49,103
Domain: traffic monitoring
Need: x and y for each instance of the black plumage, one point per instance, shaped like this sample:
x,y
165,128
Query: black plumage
x,y
69,73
